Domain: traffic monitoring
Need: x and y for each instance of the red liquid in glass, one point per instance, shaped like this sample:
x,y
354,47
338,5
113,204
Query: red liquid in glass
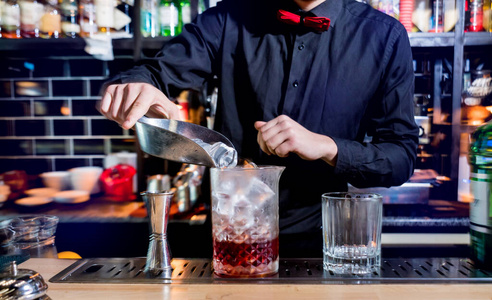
x,y
245,259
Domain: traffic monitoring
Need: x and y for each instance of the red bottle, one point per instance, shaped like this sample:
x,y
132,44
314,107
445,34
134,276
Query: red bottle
x,y
475,23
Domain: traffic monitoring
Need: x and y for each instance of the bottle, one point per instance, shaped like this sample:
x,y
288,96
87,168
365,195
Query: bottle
x,y
50,26
123,17
2,5
87,18
149,18
437,16
184,14
481,189
31,12
475,23
201,6
466,75
487,15
70,18
168,18
105,15
11,20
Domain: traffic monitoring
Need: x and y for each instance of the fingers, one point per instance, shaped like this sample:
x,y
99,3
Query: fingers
x,y
126,103
274,136
105,102
259,124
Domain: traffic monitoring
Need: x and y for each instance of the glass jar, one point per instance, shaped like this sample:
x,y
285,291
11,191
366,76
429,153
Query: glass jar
x,y
31,12
11,20
475,22
50,26
87,17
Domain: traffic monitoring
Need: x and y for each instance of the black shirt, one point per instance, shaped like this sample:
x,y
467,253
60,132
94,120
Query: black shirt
x,y
351,82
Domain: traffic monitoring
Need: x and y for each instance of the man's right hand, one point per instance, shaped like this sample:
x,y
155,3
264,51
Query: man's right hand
x,y
128,102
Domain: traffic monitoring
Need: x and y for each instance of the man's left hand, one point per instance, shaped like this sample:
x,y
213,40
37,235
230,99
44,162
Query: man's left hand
x,y
283,135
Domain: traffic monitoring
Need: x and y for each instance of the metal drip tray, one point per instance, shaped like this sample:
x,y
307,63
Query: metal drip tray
x,y
299,271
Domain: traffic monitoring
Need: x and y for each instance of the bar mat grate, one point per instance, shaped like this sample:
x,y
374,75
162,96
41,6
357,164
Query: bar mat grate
x,y
306,271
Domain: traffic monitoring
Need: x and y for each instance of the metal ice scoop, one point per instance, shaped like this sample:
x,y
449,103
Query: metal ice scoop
x,y
185,142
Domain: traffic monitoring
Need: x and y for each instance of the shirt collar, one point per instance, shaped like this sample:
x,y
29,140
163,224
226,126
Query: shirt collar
x,y
330,9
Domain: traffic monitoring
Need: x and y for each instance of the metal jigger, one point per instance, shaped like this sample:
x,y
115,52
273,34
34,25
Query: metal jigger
x,y
158,262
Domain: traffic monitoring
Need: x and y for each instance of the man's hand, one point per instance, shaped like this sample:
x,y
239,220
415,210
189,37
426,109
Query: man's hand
x,y
283,135
128,102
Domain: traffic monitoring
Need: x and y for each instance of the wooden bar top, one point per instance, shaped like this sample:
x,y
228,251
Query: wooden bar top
x,y
49,267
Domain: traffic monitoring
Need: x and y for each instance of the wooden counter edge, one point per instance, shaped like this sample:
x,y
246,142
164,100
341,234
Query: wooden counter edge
x,y
48,267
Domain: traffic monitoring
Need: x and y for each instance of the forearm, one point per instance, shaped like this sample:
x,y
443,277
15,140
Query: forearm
x,y
376,164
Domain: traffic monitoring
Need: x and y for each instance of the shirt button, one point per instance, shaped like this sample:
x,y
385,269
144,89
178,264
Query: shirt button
x,y
301,46
295,84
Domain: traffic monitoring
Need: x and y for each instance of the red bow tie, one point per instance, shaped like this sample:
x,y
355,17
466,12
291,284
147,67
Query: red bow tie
x,y
318,23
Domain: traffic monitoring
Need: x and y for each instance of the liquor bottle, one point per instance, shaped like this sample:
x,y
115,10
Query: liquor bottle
x,y
123,16
149,18
184,14
50,26
31,12
70,18
87,18
201,6
11,20
437,16
2,5
475,22
105,15
168,18
481,189
487,15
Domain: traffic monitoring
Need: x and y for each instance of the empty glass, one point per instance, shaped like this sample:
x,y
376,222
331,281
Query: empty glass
x,y
245,220
33,235
352,232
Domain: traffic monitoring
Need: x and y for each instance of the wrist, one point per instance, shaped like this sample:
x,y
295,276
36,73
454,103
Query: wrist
x,y
330,151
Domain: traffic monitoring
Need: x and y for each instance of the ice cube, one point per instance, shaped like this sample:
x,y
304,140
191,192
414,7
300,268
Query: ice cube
x,y
223,205
258,192
243,217
221,154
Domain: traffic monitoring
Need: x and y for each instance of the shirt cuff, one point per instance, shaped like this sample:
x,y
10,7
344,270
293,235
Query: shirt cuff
x,y
345,159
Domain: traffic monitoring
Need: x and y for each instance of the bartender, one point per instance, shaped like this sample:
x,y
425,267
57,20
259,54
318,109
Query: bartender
x,y
324,88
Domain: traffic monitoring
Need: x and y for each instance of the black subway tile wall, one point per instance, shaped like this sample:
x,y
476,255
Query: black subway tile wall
x,y
85,107
96,86
69,127
17,146
15,108
68,87
48,115
52,147
106,127
31,88
31,127
48,68
81,147
53,108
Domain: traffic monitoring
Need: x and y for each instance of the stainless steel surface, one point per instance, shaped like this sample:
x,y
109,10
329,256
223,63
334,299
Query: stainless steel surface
x,y
184,142
22,284
431,39
299,271
159,182
158,262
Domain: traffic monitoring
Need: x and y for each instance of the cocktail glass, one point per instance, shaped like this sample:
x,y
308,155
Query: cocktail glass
x,y
245,220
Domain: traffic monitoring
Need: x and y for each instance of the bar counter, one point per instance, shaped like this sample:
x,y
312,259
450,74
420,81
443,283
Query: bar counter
x,y
50,267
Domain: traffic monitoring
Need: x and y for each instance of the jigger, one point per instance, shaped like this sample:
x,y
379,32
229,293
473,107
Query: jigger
x,y
158,256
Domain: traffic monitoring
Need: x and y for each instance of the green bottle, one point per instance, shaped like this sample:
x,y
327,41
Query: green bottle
x,y
481,189
184,13
168,18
